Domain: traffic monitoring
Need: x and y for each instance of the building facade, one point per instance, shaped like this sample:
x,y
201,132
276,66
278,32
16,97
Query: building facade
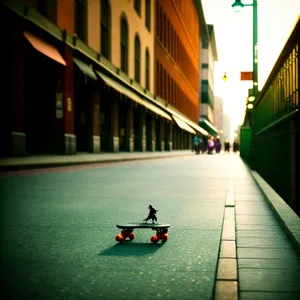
x,y
82,77
219,117
207,97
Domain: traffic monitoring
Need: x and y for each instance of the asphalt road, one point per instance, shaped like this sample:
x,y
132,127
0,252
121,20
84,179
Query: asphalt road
x,y
58,230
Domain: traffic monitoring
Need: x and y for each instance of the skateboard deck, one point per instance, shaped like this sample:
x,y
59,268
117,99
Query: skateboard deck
x,y
143,225
127,231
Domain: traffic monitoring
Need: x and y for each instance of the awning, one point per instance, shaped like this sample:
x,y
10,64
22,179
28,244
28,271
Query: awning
x,y
87,70
208,126
133,96
44,47
187,121
183,125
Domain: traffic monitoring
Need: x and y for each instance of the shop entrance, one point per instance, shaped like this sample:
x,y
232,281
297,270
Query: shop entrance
x,y
106,120
83,110
40,87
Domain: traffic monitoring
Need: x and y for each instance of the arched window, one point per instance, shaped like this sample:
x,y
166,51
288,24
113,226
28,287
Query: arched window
x,y
80,19
105,28
137,59
137,6
124,45
147,70
148,14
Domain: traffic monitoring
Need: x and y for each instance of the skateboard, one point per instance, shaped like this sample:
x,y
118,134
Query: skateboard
x,y
127,231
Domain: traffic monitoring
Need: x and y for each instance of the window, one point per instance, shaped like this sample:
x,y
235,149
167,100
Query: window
x,y
168,36
147,70
42,7
124,46
148,14
157,20
168,88
80,19
137,59
137,6
160,24
105,28
157,77
164,38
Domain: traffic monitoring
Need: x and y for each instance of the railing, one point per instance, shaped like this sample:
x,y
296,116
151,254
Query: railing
x,y
276,124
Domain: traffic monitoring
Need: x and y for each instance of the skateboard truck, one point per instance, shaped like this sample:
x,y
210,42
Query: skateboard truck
x,y
127,232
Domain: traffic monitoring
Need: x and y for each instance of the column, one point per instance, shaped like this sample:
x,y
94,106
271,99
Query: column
x,y
115,119
69,138
153,131
13,138
162,133
95,136
129,129
168,136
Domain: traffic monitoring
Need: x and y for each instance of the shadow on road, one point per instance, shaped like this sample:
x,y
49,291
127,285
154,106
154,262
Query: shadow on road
x,y
131,249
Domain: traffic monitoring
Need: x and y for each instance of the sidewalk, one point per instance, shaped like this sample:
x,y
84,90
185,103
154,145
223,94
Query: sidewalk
x,y
47,161
260,245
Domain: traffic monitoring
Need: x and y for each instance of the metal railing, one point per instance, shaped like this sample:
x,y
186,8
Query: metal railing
x,y
276,124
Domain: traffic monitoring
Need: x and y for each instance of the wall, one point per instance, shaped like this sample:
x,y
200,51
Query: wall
x,y
136,24
177,55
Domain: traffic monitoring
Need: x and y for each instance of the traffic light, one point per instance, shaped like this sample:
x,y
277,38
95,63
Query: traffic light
x,y
225,77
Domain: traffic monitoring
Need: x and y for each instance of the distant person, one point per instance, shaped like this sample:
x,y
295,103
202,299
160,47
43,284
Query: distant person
x,y
196,143
200,145
210,145
226,145
218,145
235,146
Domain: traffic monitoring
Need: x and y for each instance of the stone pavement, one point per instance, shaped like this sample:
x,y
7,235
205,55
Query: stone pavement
x,y
232,237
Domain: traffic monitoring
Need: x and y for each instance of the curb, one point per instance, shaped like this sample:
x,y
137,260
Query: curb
x,y
288,219
41,165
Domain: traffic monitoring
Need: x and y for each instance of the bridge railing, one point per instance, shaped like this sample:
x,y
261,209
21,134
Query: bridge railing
x,y
276,125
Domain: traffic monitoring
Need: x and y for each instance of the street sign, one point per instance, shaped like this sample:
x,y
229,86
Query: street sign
x,y
246,76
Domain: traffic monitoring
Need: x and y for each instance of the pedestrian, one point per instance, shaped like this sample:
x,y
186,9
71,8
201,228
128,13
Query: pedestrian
x,y
196,143
235,146
210,145
200,145
227,145
218,145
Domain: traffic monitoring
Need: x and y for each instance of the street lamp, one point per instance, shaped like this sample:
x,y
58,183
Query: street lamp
x,y
237,6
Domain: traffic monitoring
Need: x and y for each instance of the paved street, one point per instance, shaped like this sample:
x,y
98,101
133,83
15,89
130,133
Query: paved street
x,y
59,227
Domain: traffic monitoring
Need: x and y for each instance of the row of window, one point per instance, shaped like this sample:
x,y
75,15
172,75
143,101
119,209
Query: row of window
x,y
168,89
124,38
137,7
189,17
167,35
137,55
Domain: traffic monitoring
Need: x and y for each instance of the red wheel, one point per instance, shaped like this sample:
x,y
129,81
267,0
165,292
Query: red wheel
x,y
131,236
154,239
165,237
119,238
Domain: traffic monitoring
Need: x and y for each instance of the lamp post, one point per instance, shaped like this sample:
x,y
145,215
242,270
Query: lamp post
x,y
246,133
238,5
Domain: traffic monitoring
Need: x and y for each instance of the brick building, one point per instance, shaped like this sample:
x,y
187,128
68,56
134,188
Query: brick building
x,y
81,76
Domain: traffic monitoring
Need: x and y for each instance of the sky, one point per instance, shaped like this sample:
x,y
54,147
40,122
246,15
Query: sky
x,y
233,34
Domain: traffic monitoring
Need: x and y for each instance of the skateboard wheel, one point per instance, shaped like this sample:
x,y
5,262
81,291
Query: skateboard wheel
x,y
119,238
131,236
154,239
165,237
